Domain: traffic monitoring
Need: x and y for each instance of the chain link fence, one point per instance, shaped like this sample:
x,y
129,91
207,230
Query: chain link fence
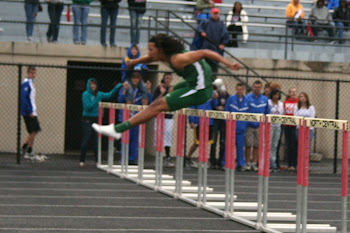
x,y
59,106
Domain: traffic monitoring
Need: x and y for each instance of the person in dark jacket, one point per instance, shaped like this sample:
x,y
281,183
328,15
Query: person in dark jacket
x,y
54,8
215,36
91,98
341,17
136,10
81,9
109,9
31,9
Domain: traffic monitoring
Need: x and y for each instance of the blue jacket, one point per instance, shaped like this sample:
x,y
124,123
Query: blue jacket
x,y
126,74
90,101
257,105
234,104
137,98
209,105
333,4
28,98
216,31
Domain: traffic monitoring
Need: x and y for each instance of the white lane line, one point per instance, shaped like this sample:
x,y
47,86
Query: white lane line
x,y
286,194
123,230
284,188
85,190
95,206
64,182
60,177
114,217
82,197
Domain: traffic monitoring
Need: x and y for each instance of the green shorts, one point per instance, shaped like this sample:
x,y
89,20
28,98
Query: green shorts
x,y
184,95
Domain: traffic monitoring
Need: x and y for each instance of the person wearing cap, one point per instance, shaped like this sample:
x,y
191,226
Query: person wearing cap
x,y
215,36
321,19
341,17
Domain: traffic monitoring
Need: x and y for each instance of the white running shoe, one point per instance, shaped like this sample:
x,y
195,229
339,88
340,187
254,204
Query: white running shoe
x,y
107,130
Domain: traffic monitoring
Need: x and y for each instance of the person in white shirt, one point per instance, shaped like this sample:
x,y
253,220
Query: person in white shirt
x,y
236,23
276,108
305,109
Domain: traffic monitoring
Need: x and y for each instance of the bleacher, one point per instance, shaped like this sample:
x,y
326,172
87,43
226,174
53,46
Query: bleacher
x,y
266,28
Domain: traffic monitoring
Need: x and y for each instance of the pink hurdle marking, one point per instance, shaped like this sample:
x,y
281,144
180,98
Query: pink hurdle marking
x,y
345,163
261,147
267,149
228,141
111,120
201,138
125,134
300,171
158,132
233,144
206,138
99,119
306,156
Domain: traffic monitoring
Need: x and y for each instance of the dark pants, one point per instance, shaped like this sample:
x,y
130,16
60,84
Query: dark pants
x,y
233,32
292,145
219,128
88,133
297,26
55,12
112,14
316,27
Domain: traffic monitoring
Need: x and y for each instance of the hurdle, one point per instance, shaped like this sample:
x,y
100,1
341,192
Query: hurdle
x,y
204,197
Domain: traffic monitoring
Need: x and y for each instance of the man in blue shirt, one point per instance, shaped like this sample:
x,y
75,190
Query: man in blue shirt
x,y
257,103
238,103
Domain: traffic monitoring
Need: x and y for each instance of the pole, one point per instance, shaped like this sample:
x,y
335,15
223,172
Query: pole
x,y
19,115
335,166
345,174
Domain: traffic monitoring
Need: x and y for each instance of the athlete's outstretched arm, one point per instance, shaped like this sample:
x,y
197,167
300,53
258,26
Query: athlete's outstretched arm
x,y
181,60
145,59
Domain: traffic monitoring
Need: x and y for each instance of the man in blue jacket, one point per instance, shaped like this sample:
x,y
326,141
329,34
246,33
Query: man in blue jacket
x,y
136,78
257,103
238,103
194,123
28,111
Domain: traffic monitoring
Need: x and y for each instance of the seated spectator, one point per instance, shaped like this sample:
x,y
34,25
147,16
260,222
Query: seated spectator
x,y
81,9
134,53
109,9
295,14
203,8
341,17
194,123
136,78
54,8
236,23
321,19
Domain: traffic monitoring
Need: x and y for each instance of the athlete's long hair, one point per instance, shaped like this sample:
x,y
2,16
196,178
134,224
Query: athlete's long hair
x,y
308,104
168,44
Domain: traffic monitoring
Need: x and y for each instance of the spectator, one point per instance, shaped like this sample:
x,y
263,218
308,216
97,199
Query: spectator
x,y
238,103
136,10
295,14
257,103
276,107
162,90
333,4
341,17
194,123
29,113
203,8
91,98
289,130
305,109
134,53
215,33
109,9
31,9
219,129
136,78
267,90
54,8
236,23
321,20
81,9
